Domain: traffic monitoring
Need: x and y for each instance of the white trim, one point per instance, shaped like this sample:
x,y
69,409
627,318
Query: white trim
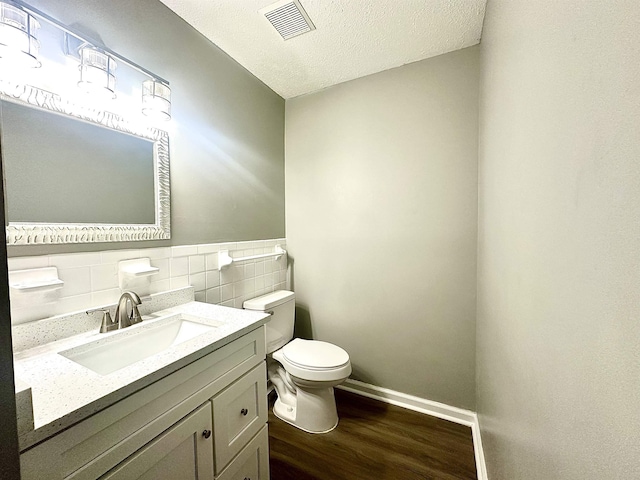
x,y
428,407
481,466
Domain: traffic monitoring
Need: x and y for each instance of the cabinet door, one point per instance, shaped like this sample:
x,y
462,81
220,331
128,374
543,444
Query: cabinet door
x,y
185,451
252,463
239,412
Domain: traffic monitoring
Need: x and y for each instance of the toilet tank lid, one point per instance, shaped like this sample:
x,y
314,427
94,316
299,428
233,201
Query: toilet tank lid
x,y
268,301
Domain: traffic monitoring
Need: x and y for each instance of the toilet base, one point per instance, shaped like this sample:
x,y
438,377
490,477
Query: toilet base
x,y
313,411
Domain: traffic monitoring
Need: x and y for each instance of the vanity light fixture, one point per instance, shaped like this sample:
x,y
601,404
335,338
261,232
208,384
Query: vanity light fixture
x,y
156,99
18,36
97,72
19,23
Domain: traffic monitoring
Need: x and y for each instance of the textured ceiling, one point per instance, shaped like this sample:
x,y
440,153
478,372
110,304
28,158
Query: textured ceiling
x,y
353,38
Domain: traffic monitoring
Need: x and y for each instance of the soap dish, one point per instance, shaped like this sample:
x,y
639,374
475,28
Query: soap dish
x,y
136,275
35,279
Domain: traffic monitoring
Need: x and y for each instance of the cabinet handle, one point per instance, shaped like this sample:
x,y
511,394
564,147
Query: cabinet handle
x,y
206,433
244,412
247,478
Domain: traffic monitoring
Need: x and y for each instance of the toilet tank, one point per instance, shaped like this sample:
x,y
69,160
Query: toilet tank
x,y
281,304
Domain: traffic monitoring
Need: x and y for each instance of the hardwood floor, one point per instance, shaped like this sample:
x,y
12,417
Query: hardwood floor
x,y
373,441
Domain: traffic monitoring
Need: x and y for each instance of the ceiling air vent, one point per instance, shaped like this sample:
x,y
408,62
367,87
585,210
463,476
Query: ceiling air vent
x,y
288,18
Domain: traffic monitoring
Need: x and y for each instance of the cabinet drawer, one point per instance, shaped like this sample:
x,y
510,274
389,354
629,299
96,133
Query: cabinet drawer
x,y
252,463
239,412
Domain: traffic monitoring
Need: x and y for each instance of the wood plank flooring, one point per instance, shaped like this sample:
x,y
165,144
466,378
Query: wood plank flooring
x,y
373,441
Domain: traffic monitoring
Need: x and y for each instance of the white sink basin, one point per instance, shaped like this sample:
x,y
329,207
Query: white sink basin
x,y
136,343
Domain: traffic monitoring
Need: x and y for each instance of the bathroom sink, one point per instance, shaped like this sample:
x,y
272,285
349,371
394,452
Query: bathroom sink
x,y
137,343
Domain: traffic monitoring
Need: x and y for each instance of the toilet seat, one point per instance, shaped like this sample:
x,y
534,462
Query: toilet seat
x,y
315,354
314,360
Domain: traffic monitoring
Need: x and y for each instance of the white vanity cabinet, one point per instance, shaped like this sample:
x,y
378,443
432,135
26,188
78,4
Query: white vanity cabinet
x,y
206,420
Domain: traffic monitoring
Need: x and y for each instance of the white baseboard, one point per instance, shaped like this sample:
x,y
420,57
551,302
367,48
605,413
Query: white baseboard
x,y
481,466
428,407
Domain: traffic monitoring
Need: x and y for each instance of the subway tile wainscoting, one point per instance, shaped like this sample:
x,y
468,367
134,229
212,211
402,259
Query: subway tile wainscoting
x,y
91,279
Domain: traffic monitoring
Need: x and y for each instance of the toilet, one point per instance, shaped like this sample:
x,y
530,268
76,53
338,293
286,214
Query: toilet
x,y
303,372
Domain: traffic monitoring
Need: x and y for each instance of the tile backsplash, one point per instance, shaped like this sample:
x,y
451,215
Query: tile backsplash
x,y
91,279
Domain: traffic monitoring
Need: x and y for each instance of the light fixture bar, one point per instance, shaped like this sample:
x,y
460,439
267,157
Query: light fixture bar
x,y
85,38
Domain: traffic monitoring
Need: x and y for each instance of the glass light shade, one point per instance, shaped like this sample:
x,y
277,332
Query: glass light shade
x,y
97,73
156,100
18,37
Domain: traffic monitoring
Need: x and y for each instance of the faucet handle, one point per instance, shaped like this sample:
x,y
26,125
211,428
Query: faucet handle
x,y
107,323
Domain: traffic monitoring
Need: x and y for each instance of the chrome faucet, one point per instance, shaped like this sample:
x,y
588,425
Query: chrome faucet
x,y
123,320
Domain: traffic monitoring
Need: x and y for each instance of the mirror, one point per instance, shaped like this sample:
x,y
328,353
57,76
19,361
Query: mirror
x,y
77,175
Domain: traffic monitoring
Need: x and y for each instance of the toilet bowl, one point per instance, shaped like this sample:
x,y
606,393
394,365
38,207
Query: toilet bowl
x,y
303,372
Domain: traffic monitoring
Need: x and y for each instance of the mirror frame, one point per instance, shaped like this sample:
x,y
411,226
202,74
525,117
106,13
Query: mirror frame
x,y
22,233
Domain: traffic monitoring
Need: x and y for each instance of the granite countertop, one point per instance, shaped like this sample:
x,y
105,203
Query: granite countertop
x,y
64,392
